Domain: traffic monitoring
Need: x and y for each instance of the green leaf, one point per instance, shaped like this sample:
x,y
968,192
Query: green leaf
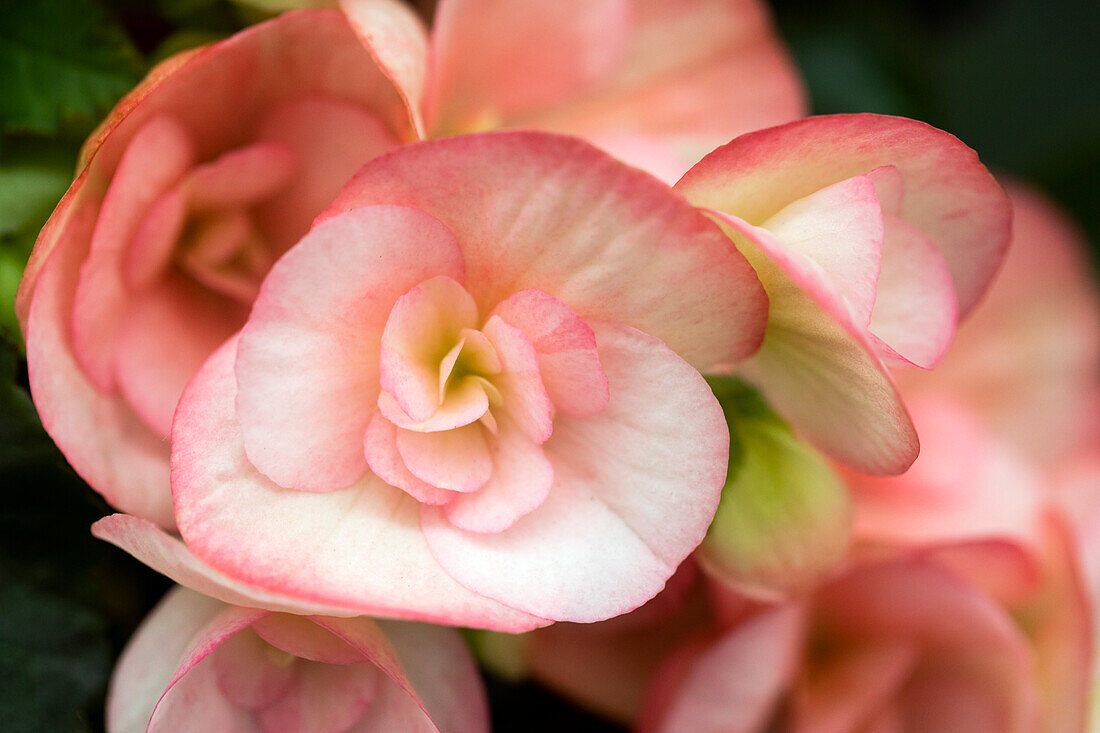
x,y
63,63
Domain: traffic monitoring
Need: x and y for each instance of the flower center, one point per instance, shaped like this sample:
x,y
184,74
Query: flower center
x,y
437,367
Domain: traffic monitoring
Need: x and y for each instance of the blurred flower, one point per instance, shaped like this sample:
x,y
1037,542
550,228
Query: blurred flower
x,y
198,664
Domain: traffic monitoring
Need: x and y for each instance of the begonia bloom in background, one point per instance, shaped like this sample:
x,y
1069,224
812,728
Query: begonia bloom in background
x,y
900,644
196,183
659,83
471,393
873,236
219,161
198,664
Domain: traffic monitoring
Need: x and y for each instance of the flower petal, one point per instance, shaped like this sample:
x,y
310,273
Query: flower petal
x,y
330,139
733,685
167,333
522,393
323,697
821,373
102,438
192,696
240,177
169,556
159,154
634,490
915,313
963,487
152,655
426,319
492,61
380,448
246,674
568,361
455,460
307,364
396,39
695,74
839,229
520,482
357,548
533,210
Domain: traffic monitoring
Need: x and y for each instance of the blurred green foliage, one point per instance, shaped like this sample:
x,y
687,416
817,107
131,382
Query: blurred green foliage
x,y
1018,80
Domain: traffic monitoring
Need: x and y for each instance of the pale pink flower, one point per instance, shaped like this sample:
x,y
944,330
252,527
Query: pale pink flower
x,y
872,235
198,664
219,161
470,394
659,83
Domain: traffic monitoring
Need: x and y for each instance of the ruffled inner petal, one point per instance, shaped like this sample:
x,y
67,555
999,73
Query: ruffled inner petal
x,y
308,360
523,396
331,139
466,402
380,447
166,335
521,480
457,460
568,361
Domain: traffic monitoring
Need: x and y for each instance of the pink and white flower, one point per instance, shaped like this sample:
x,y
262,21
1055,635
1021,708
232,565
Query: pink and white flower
x,y
198,664
873,235
471,393
659,83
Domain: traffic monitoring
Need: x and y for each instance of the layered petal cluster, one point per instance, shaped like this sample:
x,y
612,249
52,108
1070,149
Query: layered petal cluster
x,y
198,664
196,183
873,235
471,393
659,83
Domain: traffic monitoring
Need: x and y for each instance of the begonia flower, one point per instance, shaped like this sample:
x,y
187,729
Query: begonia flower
x,y
659,83
873,235
189,191
471,393
219,161
198,664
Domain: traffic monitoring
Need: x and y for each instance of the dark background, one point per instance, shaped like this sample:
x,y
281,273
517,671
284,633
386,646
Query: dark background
x,y
1018,80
